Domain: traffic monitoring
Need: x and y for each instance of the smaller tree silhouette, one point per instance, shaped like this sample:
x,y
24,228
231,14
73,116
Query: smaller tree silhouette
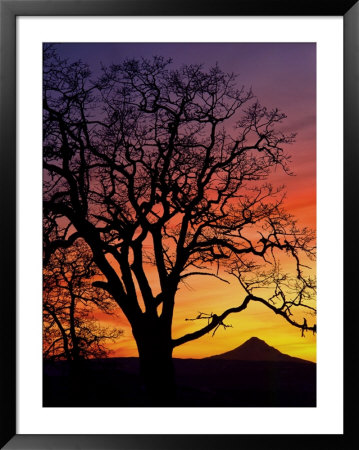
x,y
70,330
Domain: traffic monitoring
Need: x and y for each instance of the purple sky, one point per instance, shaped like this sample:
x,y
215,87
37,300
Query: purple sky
x,y
281,75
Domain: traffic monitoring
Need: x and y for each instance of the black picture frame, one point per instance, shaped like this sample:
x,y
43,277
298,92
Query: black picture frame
x,y
9,10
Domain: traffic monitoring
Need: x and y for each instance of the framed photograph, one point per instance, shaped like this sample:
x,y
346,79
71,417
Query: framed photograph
x,y
173,182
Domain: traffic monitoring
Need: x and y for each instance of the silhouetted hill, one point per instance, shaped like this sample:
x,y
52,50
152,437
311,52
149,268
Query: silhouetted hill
x,y
252,375
256,349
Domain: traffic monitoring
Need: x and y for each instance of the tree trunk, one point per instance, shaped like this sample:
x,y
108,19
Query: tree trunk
x,y
156,365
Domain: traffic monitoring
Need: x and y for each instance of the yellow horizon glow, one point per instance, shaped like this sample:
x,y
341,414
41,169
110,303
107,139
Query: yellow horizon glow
x,y
209,295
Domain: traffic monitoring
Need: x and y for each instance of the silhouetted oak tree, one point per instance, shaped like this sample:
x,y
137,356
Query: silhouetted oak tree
x,y
170,167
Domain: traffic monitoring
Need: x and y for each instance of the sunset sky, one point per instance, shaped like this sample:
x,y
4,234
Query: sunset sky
x,y
280,75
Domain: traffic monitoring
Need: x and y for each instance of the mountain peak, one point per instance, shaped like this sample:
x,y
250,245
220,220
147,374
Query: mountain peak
x,y
255,349
254,339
